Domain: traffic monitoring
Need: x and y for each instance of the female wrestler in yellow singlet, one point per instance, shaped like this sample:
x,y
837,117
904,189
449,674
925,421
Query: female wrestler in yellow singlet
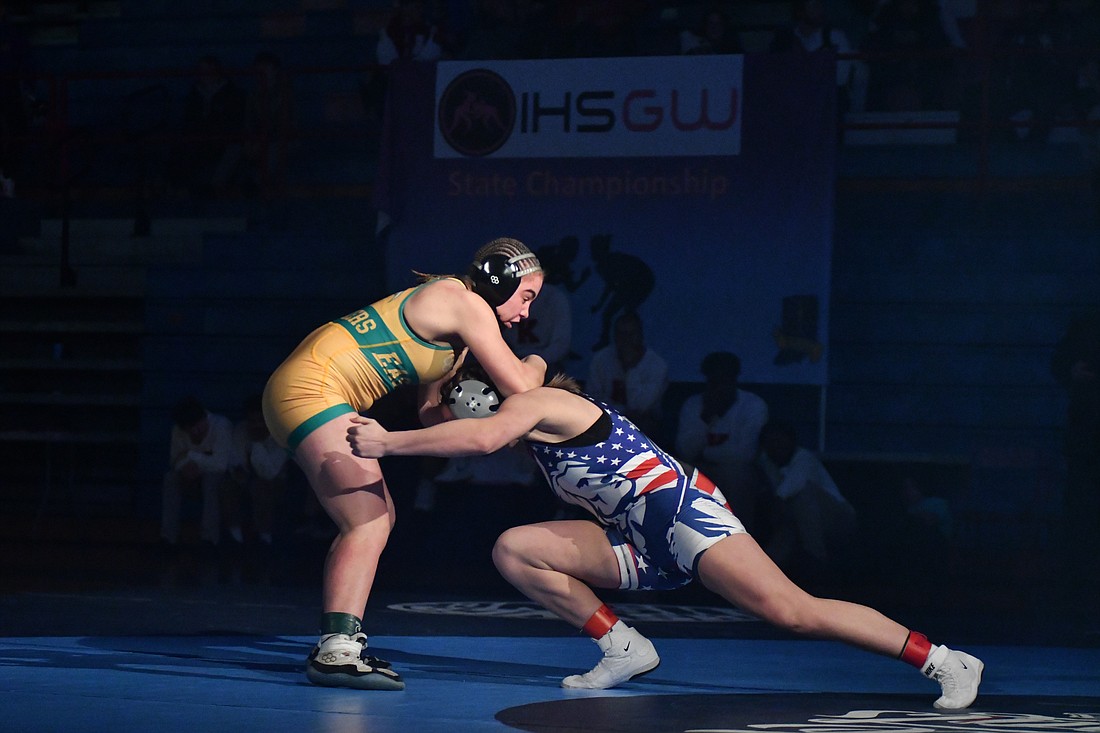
x,y
414,337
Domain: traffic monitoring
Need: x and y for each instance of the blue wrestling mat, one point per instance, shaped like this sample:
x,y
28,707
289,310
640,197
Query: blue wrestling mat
x,y
238,683
113,640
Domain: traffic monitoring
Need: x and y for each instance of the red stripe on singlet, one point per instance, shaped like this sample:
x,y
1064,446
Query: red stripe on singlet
x,y
668,478
703,483
643,468
700,481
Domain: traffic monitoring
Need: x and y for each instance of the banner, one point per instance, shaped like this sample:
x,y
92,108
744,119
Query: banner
x,y
696,190
587,108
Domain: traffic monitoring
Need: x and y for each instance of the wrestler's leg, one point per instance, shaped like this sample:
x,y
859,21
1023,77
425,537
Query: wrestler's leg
x,y
554,563
737,569
354,494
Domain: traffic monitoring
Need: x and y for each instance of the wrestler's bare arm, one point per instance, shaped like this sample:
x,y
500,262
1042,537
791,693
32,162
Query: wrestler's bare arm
x,y
480,436
446,312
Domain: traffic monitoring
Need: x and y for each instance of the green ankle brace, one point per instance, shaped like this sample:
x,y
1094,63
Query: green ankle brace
x,y
339,623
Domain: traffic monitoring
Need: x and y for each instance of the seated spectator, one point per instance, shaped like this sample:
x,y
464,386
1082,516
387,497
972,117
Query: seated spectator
x,y
719,433
630,376
200,446
714,34
811,519
257,478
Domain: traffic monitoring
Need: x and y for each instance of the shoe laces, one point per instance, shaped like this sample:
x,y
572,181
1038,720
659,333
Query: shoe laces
x,y
947,676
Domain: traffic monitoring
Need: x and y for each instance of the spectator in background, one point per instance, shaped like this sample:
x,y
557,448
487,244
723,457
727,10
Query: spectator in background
x,y
269,124
410,35
257,477
629,376
811,519
719,433
809,32
1075,364
198,459
208,163
715,34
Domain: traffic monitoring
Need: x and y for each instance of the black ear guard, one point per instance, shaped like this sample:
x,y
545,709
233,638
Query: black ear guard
x,y
472,398
496,278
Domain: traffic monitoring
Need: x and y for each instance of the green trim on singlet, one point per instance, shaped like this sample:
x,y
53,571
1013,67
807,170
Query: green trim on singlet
x,y
409,329
299,433
372,343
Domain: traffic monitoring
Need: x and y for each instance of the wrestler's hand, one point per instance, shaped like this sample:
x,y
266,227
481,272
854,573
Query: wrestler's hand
x,y
367,438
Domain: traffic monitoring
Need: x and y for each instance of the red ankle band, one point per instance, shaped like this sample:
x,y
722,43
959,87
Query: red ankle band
x,y
600,622
916,649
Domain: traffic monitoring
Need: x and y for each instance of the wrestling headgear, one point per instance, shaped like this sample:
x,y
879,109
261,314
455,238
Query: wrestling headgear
x,y
496,276
472,398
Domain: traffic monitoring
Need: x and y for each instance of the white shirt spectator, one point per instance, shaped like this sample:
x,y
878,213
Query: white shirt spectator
x,y
211,454
729,438
637,391
804,470
264,458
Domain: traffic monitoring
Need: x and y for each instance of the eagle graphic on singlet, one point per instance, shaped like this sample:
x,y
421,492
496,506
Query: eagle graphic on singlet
x,y
611,477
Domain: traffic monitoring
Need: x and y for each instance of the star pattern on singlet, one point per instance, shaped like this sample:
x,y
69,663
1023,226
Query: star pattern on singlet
x,y
608,476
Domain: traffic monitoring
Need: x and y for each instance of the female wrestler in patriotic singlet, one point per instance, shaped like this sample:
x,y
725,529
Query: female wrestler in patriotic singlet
x,y
414,337
659,524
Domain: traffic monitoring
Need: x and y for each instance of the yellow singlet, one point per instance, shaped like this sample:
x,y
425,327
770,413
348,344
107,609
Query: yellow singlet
x,y
347,364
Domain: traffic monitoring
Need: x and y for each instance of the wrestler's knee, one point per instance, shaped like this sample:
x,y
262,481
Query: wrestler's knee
x,y
365,539
510,550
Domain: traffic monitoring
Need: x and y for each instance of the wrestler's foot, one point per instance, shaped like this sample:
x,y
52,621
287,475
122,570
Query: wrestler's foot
x,y
339,660
626,654
958,673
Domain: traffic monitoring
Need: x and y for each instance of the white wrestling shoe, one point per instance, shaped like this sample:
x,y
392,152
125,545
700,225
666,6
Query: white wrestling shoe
x,y
958,673
626,654
339,660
